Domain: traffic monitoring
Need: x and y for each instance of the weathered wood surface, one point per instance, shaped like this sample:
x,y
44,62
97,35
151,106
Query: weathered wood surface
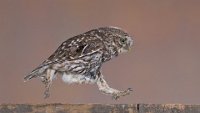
x,y
99,108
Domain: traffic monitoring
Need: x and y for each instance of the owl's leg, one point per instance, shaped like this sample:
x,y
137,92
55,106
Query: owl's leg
x,y
47,80
104,87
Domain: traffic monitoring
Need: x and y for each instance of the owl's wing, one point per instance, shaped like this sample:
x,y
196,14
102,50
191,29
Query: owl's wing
x,y
72,49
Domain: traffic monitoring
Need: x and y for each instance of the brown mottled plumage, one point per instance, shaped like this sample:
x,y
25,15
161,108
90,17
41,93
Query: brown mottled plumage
x,y
79,59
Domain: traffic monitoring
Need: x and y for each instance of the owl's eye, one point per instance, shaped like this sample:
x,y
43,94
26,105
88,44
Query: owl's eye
x,y
123,40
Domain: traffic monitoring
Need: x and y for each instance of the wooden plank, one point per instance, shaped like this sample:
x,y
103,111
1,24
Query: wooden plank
x,y
99,108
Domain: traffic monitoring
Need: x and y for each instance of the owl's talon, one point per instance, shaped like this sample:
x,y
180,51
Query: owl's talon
x,y
127,92
116,96
129,89
46,94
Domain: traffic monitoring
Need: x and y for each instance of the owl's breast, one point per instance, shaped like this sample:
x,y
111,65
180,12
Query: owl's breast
x,y
77,78
81,71
90,76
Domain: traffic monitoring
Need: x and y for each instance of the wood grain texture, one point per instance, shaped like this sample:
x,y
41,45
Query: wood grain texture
x,y
99,108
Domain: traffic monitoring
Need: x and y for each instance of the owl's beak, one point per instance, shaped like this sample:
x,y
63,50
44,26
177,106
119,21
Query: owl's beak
x,y
130,42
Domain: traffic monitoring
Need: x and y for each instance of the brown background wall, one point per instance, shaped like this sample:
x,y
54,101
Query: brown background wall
x,y
163,67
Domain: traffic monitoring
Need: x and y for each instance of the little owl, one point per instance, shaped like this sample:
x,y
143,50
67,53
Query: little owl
x,y
79,59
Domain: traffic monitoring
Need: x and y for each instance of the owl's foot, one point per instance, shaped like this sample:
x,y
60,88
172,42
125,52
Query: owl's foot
x,y
46,94
119,94
116,94
47,80
47,88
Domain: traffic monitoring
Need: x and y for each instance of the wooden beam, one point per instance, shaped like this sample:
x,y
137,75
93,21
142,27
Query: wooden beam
x,y
99,108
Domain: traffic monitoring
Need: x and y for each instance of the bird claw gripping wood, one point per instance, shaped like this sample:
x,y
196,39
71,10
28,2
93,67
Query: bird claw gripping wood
x,y
116,96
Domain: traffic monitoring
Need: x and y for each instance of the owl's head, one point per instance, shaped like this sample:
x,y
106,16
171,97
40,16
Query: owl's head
x,y
118,38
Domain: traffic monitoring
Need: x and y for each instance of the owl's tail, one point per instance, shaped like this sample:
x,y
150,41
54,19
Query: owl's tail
x,y
36,72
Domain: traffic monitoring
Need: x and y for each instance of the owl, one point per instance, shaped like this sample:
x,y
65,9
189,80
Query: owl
x,y
79,60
